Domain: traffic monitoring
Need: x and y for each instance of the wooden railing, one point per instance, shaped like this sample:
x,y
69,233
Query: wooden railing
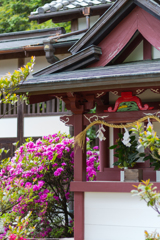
x,y
53,107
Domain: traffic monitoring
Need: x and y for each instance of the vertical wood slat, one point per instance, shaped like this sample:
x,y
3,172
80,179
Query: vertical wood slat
x,y
53,105
15,108
58,104
20,119
43,105
47,107
4,108
29,109
9,109
33,108
63,106
37,107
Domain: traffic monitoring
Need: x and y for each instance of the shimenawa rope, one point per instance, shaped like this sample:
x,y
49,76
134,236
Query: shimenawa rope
x,y
80,138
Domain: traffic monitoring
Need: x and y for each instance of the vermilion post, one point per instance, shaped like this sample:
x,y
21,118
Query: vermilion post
x,y
147,50
104,151
79,175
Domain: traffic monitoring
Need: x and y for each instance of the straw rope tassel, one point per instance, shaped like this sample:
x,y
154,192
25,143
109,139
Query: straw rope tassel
x,y
80,138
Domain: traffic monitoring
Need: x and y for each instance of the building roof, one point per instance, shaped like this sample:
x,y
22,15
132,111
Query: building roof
x,y
108,21
139,74
28,43
69,9
16,43
76,61
62,5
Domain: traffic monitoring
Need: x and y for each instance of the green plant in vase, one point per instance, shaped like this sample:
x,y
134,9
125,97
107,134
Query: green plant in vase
x,y
126,150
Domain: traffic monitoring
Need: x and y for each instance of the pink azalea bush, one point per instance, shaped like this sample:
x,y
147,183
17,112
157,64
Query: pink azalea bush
x,y
36,180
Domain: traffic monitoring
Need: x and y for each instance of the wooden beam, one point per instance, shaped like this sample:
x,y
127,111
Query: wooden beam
x,y
120,117
110,186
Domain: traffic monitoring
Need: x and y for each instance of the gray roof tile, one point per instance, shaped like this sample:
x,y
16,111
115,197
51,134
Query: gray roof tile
x,y
61,5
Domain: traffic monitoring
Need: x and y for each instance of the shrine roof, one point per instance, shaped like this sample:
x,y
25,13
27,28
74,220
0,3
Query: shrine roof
x,y
68,7
139,74
109,20
17,40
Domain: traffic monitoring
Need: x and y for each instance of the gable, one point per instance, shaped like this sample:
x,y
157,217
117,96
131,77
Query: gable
x,y
138,20
111,18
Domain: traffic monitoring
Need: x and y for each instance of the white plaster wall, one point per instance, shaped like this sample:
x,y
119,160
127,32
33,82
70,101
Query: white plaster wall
x,y
82,22
40,63
8,66
155,53
41,126
156,127
113,216
136,55
8,127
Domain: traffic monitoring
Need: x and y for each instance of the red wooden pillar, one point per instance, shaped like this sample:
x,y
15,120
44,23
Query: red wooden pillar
x,y
79,175
147,50
115,137
104,151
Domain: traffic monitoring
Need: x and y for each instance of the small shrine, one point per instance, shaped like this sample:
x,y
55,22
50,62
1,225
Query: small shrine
x,y
115,66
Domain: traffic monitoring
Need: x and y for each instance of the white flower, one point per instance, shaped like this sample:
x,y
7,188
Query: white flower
x,y
149,124
126,138
100,134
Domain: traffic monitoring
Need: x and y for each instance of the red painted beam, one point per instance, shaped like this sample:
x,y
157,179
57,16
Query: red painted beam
x,y
119,117
105,186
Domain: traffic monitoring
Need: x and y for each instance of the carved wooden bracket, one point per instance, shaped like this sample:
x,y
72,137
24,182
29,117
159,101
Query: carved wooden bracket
x,y
128,97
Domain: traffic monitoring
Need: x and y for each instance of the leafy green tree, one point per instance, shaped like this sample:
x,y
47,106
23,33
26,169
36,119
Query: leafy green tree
x,y
14,16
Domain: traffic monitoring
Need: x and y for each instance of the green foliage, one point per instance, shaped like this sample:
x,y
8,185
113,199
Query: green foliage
x,y
127,156
9,84
149,194
150,141
91,133
14,16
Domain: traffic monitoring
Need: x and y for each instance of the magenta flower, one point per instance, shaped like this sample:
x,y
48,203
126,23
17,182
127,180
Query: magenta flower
x,y
96,148
28,185
58,171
